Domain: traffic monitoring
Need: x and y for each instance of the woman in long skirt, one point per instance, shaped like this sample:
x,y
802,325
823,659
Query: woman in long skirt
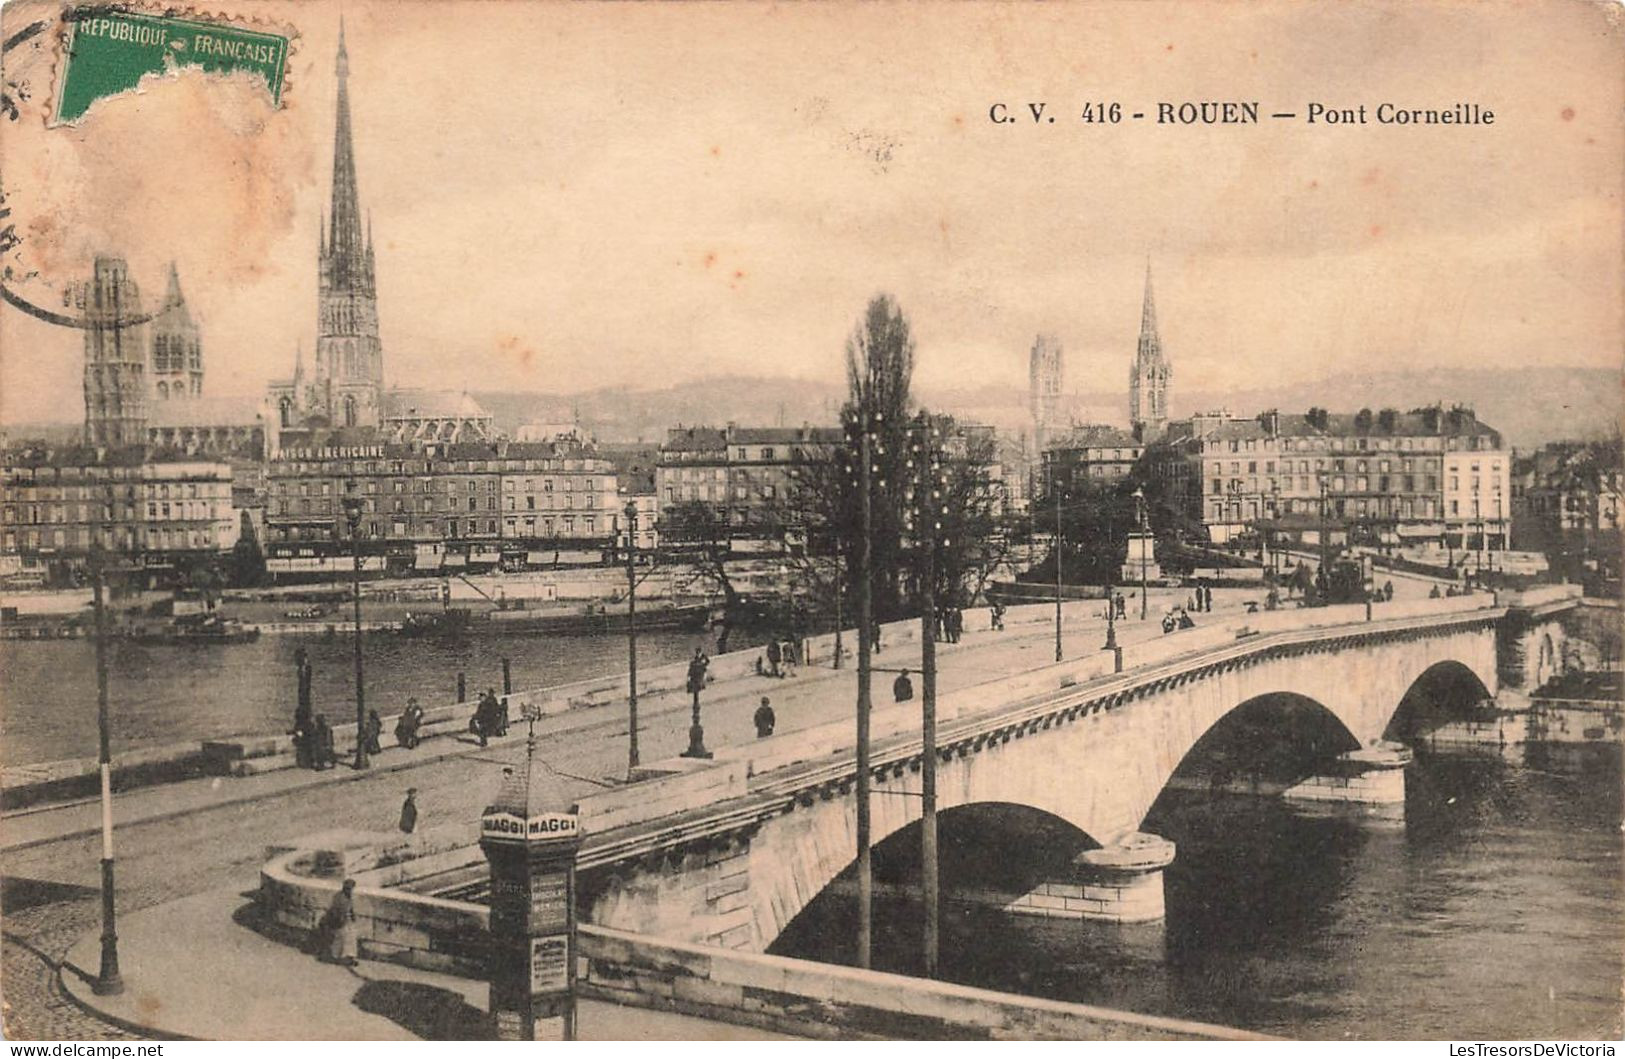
x,y
341,926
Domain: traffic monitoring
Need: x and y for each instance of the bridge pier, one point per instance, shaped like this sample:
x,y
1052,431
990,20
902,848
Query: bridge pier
x,y
1117,884
1373,775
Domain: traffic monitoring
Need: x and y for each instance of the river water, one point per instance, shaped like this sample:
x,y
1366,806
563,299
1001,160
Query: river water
x,y
1493,909
163,694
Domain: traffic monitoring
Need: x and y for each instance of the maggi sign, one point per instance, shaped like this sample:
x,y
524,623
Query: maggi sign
x,y
542,827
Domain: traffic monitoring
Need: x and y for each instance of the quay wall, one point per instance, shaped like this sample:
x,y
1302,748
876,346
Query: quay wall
x,y
801,997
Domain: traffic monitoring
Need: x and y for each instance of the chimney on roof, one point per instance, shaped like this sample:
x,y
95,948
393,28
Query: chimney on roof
x,y
1270,421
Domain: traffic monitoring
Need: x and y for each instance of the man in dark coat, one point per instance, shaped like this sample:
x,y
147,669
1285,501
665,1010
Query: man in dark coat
x,y
902,688
322,753
696,675
304,738
409,811
764,719
775,654
374,733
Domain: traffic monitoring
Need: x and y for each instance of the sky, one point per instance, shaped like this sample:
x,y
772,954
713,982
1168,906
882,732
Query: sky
x,y
568,197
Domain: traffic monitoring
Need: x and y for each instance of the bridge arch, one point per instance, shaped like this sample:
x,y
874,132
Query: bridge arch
x,y
1445,691
1271,739
999,847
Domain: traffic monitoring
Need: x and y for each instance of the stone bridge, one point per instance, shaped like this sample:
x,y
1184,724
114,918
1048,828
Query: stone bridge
x,y
744,843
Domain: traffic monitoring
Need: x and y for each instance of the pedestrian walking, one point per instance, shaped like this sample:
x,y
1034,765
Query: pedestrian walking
x,y
322,755
1122,606
775,654
339,924
304,740
764,719
902,688
788,658
696,674
874,636
374,733
409,724
409,811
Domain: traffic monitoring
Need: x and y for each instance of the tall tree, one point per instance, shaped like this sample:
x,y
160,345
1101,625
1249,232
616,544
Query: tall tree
x,y
879,372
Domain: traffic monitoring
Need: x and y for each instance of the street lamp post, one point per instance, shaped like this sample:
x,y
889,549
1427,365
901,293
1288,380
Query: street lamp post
x,y
1139,504
1056,495
352,512
631,637
108,982
1111,590
1325,545
840,595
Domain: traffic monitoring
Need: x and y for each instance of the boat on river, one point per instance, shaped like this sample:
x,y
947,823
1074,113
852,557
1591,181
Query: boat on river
x,y
451,622
198,629
595,618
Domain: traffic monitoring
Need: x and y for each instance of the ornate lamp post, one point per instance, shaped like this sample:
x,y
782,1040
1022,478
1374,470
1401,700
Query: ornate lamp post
x,y
631,512
353,505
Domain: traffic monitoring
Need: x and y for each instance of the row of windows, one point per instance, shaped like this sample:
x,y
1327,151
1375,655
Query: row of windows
x,y
323,506
59,514
20,491
1382,507
1358,466
1333,444
364,468
451,528
326,487
151,539
1384,483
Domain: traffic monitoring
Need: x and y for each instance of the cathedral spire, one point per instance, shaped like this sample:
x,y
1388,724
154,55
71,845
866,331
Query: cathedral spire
x,y
173,296
344,238
1148,311
1150,375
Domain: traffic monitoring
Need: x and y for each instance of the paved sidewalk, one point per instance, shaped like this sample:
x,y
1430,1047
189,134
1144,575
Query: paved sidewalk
x,y
814,696
199,968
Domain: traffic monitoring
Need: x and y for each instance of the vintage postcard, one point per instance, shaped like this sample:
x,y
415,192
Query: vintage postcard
x,y
525,520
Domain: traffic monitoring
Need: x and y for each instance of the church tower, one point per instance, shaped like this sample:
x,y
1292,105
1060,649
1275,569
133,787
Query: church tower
x,y
1046,370
176,367
349,371
115,357
1148,382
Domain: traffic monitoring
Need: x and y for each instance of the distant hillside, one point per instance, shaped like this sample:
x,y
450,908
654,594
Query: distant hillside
x,y
1530,406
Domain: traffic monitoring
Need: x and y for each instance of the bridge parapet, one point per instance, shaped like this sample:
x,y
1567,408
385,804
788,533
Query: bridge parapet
x,y
821,755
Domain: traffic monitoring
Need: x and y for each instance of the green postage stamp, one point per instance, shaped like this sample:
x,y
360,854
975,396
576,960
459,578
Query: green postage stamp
x,y
108,49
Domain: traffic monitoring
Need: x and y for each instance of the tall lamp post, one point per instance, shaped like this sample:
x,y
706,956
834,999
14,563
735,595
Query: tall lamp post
x,y
352,512
631,512
1111,591
108,981
1325,544
1056,495
1139,504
